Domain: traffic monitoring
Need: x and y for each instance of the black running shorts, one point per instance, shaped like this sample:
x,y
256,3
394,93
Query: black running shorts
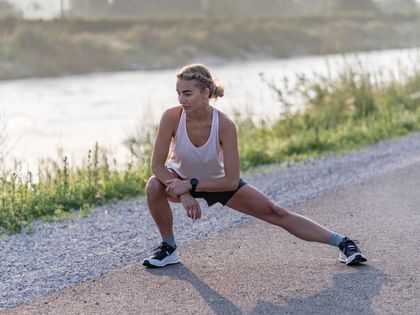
x,y
213,197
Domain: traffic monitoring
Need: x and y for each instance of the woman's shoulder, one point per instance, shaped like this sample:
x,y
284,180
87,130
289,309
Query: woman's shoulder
x,y
172,114
174,110
170,119
225,122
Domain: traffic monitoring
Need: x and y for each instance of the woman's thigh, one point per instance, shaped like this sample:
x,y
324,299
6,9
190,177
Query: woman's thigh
x,y
251,201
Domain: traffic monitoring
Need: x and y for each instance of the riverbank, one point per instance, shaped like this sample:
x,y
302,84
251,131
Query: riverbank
x,y
64,47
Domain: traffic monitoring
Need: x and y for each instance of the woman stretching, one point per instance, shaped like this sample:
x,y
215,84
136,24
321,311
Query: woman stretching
x,y
204,163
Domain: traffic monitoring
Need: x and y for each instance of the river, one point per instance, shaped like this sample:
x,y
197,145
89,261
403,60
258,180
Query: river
x,y
71,113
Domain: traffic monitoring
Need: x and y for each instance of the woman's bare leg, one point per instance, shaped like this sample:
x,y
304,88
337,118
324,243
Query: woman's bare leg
x,y
253,202
159,207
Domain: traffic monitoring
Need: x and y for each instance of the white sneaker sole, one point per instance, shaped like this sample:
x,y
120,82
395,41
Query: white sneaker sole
x,y
351,260
170,260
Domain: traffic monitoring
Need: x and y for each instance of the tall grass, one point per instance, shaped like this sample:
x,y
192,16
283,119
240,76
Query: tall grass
x,y
58,188
346,113
342,114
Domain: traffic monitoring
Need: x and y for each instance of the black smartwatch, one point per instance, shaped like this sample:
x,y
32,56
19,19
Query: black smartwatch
x,y
194,183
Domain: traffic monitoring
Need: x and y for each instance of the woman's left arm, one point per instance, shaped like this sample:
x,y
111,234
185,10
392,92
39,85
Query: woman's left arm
x,y
229,142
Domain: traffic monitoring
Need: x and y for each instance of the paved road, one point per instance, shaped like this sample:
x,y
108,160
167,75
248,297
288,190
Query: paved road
x,y
256,268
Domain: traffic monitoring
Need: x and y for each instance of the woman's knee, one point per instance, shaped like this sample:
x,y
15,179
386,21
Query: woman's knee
x,y
154,188
279,211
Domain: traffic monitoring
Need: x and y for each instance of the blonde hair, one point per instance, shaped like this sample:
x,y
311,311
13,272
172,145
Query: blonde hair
x,y
202,76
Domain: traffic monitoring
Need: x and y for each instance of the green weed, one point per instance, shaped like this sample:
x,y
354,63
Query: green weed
x,y
347,113
59,188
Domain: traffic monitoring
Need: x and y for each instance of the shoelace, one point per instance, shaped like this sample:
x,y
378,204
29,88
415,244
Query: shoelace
x,y
161,248
158,249
351,246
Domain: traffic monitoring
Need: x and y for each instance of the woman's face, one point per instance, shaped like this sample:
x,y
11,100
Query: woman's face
x,y
190,96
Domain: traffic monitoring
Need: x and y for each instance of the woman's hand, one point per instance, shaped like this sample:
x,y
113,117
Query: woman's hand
x,y
192,207
176,187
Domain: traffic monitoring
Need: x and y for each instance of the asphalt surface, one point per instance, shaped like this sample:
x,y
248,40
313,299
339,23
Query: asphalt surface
x,y
257,268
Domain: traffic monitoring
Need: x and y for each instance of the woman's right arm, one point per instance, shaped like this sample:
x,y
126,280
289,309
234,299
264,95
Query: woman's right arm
x,y
167,129
165,132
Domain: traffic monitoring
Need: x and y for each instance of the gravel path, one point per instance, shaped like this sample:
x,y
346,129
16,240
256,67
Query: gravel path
x,y
57,255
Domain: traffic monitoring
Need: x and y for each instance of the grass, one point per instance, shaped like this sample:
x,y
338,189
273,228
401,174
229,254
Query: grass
x,y
348,113
59,188
342,114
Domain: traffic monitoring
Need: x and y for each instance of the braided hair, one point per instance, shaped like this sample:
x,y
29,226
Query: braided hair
x,y
202,76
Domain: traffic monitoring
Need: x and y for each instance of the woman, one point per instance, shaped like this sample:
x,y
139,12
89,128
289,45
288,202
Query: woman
x,y
204,163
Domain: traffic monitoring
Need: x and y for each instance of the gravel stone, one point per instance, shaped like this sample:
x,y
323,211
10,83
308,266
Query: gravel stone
x,y
60,254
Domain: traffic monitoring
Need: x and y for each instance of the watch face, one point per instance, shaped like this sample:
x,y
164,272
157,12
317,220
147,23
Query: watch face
x,y
194,181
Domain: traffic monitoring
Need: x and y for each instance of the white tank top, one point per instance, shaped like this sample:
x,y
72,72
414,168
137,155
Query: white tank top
x,y
204,162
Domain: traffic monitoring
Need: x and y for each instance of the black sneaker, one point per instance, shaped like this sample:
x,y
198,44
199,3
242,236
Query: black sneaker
x,y
164,254
350,253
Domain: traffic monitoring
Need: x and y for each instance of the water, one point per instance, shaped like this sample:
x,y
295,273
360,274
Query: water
x,y
72,113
